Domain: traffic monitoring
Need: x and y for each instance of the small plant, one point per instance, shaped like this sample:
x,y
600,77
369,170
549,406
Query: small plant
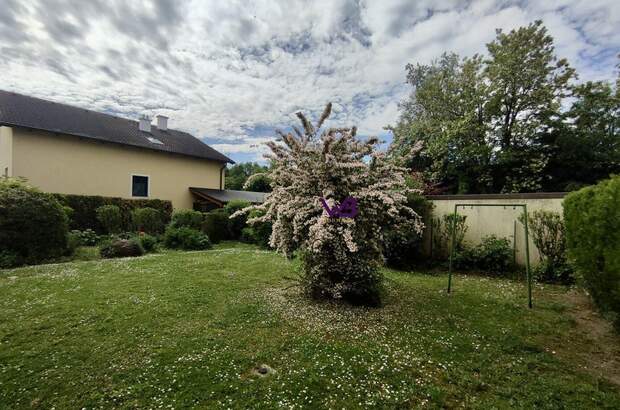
x,y
186,238
148,220
187,218
547,229
442,234
493,255
120,248
109,216
87,237
215,225
148,242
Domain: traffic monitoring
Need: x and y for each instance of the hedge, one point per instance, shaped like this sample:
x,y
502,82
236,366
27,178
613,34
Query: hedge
x,y
84,215
592,218
33,225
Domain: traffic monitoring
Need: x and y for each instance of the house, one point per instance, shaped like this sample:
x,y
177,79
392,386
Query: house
x,y
65,149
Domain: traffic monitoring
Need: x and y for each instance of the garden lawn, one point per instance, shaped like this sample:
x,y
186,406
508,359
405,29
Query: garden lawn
x,y
183,329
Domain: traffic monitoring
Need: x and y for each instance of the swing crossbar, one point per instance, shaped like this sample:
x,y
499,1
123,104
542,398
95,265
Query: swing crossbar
x,y
527,243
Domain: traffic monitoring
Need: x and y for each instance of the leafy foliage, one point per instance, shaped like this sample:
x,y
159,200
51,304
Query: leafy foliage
x,y
84,210
592,217
215,225
238,174
259,182
186,238
237,222
492,255
340,255
442,234
109,216
259,232
148,220
87,237
33,225
496,123
148,242
187,218
547,230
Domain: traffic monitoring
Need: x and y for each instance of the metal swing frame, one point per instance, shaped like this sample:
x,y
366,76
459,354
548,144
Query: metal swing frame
x,y
527,243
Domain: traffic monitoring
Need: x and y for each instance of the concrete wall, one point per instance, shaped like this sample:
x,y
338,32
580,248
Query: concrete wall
x,y
6,151
72,165
483,221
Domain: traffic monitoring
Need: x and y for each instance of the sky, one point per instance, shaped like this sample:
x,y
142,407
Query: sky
x,y
231,72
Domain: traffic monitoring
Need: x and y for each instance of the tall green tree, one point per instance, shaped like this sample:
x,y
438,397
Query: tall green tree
x,y
527,83
501,123
237,175
446,117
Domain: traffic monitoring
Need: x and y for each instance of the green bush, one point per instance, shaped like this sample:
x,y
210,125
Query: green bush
x,y
258,233
187,218
403,248
84,215
186,238
87,237
592,218
236,224
547,230
442,234
9,259
148,242
109,216
148,220
215,225
493,255
120,248
33,225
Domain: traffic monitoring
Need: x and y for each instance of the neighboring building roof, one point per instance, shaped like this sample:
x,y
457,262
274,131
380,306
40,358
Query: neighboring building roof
x,y
227,195
29,112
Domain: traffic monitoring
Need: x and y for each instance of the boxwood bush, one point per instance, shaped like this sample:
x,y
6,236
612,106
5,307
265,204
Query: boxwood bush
x,y
592,219
33,225
186,238
216,225
187,218
148,220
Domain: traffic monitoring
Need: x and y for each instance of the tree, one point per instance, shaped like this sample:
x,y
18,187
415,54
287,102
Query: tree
x,y
237,175
527,83
500,123
445,118
258,183
340,256
586,145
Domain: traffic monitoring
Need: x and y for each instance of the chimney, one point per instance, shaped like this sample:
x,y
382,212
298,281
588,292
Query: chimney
x,y
145,124
162,122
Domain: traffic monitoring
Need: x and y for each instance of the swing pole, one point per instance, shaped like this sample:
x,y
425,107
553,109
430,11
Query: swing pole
x,y
453,233
527,259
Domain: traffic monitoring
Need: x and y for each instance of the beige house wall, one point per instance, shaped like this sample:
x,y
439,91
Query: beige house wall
x,y
72,165
483,221
6,151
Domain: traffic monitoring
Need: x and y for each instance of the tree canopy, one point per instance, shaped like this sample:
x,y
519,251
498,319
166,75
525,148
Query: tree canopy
x,y
511,121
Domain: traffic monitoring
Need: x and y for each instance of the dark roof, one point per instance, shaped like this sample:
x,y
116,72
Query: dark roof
x,y
24,111
227,195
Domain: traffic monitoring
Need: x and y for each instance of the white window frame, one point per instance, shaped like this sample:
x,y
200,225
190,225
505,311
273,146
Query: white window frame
x,y
148,185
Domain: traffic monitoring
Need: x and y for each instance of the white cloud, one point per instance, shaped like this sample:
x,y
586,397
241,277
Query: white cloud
x,y
233,70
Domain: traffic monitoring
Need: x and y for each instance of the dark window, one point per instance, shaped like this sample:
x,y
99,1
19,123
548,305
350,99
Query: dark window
x,y
139,186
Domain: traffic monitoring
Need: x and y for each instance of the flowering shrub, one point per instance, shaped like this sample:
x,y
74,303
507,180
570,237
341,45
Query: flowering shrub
x,y
340,256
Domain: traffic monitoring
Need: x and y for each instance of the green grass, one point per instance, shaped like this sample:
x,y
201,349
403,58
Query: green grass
x,y
186,329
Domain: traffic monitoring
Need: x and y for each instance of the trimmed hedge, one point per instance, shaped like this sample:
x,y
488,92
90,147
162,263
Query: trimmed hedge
x,y
84,208
33,225
216,225
186,238
187,218
592,218
149,220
